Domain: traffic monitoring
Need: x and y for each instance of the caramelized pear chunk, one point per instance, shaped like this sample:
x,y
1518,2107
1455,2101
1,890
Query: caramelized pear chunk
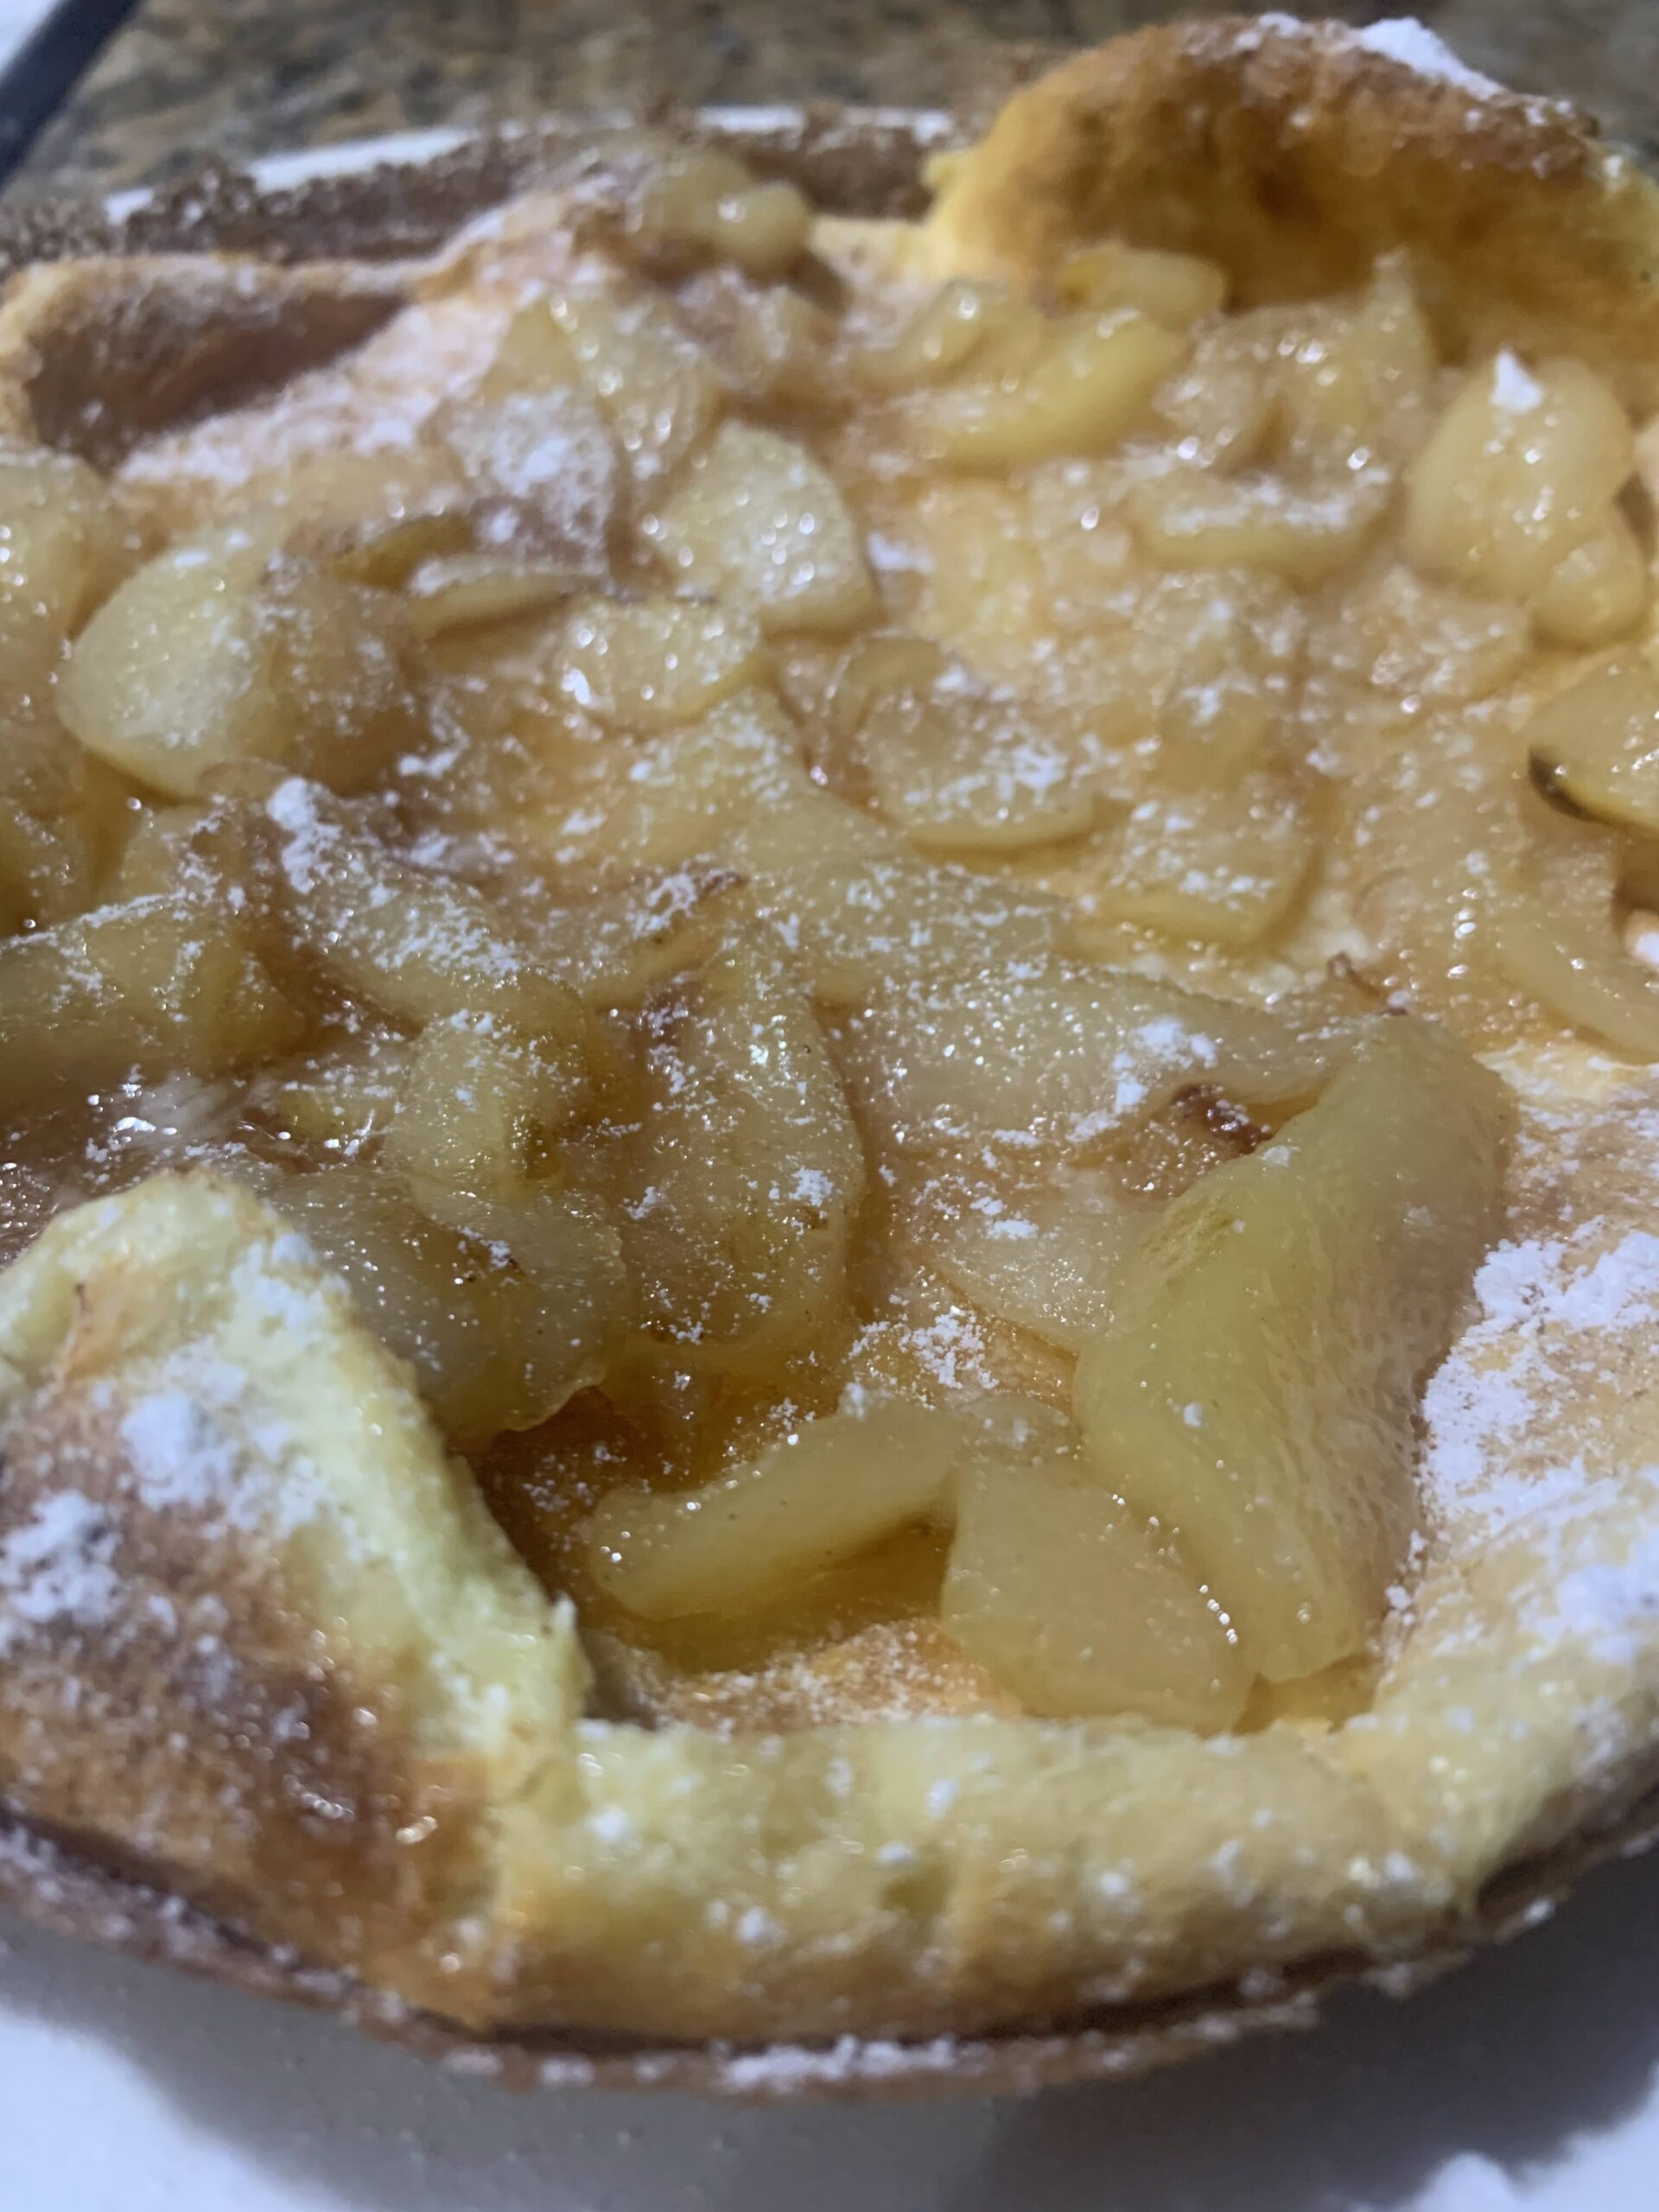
x,y
1593,749
533,442
504,1312
153,986
863,912
748,1171
337,1099
757,519
1256,1388
419,946
1522,466
1193,518
207,657
1599,592
1058,1051
1223,864
61,547
655,663
1056,1588
615,947
1422,640
63,814
476,1100
942,337
707,200
1357,380
682,794
1177,289
1091,379
831,1490
967,773
1066,1596
660,393
472,591
1572,962
1049,1263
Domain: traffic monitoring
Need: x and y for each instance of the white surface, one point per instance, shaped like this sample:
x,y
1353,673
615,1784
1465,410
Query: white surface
x,y
1524,2083
279,171
1527,2082
17,19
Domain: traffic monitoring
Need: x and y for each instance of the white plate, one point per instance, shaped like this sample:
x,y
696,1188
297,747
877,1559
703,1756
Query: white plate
x,y
19,21
1527,2082
1524,2083
278,171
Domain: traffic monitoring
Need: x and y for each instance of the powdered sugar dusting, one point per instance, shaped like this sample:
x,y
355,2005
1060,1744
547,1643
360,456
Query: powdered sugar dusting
x,y
292,807
784,2070
1525,1433
1489,1390
210,1451
1612,1605
1515,391
56,1569
1403,39
1620,1290
180,1456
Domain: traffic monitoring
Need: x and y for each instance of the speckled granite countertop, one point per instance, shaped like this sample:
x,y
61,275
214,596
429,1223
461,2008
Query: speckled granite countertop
x,y
189,79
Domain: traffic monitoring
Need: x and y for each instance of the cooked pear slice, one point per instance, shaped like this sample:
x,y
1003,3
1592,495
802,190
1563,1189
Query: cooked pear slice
x,y
1521,468
503,1310
863,914
1255,1391
1574,964
201,660
1048,1264
828,1492
1052,1051
156,986
1593,750
1092,378
757,520
1063,1593
1055,1586
741,1190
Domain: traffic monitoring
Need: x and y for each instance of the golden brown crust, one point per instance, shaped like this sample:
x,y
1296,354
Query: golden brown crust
x,y
95,354
1295,154
204,1724
883,1881
60,1891
230,1654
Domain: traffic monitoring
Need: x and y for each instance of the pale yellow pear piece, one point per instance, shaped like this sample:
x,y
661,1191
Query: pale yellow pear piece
x,y
1062,1592
1597,592
1574,964
1519,469
155,986
706,201
829,1490
747,1173
1255,1391
503,1310
201,659
1051,1051
1593,749
1048,1263
757,519
1092,381
942,337
1177,289
652,663
965,773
